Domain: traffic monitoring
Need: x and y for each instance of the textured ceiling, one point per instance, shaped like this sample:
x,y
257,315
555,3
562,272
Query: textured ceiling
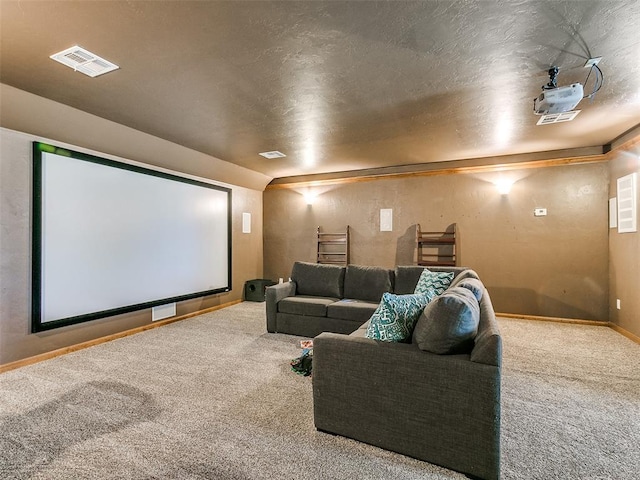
x,y
336,86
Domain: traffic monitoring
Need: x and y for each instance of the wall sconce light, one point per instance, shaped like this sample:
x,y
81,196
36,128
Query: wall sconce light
x,y
504,186
310,197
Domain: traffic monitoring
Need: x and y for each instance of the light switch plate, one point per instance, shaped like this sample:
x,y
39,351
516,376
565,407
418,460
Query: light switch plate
x,y
540,212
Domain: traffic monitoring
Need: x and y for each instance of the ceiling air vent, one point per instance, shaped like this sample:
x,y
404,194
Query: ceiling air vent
x,y
273,154
558,117
84,61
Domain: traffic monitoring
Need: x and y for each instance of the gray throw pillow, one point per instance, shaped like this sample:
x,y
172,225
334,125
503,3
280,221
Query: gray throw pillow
x,y
449,323
465,274
474,285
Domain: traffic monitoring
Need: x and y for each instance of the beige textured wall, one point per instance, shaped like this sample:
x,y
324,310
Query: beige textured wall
x,y
16,341
555,265
624,253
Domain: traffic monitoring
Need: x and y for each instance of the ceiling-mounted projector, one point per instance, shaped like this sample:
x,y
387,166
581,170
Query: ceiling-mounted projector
x,y
558,100
554,99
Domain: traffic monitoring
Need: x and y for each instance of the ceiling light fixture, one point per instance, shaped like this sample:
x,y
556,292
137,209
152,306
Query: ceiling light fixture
x,y
84,61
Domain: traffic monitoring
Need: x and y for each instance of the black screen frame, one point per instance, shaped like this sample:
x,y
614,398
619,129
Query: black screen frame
x,y
37,325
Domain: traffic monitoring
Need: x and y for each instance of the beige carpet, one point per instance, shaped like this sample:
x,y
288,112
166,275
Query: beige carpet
x,y
213,397
570,402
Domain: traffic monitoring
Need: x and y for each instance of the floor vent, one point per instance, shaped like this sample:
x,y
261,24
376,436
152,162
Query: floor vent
x,y
558,117
84,61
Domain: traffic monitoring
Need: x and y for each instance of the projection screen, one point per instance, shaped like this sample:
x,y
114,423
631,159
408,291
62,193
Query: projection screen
x,y
111,238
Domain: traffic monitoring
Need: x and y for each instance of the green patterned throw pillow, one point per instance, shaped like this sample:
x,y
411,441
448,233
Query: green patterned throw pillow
x,y
395,317
436,281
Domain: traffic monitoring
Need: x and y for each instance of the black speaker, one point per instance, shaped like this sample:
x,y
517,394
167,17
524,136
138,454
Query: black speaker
x,y
254,290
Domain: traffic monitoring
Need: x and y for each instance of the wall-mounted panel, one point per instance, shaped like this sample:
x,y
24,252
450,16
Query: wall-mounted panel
x,y
627,205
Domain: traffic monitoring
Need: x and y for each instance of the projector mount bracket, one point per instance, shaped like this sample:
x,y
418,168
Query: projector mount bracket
x,y
553,79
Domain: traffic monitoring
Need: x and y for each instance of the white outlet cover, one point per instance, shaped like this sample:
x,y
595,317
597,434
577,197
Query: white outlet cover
x,y
540,212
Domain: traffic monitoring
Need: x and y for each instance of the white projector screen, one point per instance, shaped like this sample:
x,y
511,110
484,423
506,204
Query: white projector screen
x,y
110,238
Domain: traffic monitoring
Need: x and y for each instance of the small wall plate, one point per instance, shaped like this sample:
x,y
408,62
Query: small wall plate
x,y
540,212
592,62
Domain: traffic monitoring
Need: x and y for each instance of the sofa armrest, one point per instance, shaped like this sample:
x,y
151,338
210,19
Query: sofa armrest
x,y
377,365
398,397
488,342
274,294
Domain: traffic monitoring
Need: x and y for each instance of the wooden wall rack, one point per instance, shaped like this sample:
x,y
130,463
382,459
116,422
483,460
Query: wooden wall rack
x,y
436,248
333,248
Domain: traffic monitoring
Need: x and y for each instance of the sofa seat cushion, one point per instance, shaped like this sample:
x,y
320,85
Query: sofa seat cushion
x,y
449,324
350,309
319,280
367,283
306,305
310,326
361,332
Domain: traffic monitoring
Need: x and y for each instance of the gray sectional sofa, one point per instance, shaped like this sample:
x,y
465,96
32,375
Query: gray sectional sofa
x,y
331,298
326,298
400,396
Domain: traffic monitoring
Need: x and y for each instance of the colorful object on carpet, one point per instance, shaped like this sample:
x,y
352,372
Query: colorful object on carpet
x,y
302,364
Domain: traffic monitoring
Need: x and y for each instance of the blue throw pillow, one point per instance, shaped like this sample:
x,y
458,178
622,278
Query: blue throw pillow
x,y
395,317
436,281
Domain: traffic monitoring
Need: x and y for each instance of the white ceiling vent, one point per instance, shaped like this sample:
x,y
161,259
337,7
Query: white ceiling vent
x,y
273,154
558,117
84,61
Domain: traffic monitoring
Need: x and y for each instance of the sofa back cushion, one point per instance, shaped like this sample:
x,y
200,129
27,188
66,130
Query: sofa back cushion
x,y
367,283
319,280
449,323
